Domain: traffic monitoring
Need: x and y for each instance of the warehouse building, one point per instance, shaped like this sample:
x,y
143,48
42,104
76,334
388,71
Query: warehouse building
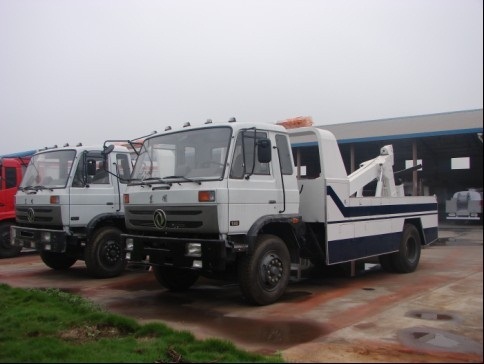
x,y
448,146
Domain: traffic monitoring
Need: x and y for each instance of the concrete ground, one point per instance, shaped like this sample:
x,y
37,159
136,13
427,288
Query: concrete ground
x,y
432,315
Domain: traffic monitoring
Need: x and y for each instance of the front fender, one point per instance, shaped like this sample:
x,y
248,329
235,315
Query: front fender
x,y
104,220
258,225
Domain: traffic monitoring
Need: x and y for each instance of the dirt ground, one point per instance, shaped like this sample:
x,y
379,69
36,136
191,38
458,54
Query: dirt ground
x,y
432,315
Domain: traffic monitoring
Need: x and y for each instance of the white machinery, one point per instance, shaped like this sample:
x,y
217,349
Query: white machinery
x,y
69,207
465,206
227,200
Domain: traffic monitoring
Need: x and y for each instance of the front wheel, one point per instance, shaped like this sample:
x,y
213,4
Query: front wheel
x,y
408,256
7,250
57,261
104,254
175,279
264,274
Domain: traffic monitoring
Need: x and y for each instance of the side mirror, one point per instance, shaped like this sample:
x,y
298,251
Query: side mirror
x,y
264,151
91,167
108,149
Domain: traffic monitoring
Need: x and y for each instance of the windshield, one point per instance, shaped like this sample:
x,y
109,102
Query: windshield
x,y
190,155
48,170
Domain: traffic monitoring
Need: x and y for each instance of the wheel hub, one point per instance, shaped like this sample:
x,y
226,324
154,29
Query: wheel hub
x,y
272,270
112,253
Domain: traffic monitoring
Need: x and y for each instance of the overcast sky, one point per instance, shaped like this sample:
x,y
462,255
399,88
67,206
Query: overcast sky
x,y
90,70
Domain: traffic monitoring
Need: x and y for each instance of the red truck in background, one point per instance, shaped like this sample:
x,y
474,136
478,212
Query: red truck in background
x,y
12,168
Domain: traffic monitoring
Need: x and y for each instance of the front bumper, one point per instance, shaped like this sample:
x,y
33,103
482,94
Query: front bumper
x,y
175,252
39,239
463,217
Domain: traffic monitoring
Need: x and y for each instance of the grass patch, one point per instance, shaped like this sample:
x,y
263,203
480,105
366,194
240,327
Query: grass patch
x,y
54,326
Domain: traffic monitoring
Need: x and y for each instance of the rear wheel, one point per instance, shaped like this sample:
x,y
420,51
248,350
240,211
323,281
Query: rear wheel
x,y
7,250
104,254
264,274
407,258
175,279
57,261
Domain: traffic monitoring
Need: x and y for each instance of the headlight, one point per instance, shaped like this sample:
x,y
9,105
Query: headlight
x,y
194,250
129,244
45,237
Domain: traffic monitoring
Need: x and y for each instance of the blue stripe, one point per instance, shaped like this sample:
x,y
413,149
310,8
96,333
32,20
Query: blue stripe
x,y
359,211
406,216
367,246
411,135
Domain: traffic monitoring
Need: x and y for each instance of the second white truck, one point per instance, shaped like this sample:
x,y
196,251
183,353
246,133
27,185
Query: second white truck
x,y
69,207
256,202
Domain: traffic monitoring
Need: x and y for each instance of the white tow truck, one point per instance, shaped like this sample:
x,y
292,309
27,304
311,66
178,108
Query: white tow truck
x,y
69,207
256,202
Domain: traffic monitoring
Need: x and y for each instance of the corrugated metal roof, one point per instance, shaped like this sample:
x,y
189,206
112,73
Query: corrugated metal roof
x,y
450,123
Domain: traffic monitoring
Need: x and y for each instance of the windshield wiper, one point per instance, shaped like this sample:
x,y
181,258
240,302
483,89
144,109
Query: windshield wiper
x,y
27,188
36,188
41,187
148,181
185,179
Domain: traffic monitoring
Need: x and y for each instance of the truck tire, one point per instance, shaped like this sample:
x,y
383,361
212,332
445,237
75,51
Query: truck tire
x,y
6,249
407,258
57,261
104,256
264,274
175,279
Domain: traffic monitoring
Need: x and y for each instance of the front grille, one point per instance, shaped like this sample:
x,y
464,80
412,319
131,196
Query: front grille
x,y
199,219
39,215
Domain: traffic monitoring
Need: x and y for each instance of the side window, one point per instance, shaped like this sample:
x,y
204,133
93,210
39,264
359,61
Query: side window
x,y
243,161
122,163
282,145
78,176
102,175
307,161
10,177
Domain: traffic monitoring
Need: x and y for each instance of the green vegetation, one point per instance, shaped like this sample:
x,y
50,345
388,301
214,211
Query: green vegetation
x,y
54,326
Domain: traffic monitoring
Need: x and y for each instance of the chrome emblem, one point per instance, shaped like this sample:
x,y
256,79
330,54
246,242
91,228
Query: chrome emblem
x,y
159,219
31,215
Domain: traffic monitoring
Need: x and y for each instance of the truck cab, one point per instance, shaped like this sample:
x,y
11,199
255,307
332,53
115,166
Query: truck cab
x,y
12,169
69,207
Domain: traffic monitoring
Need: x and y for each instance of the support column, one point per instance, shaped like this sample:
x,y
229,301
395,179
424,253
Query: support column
x,y
415,173
352,158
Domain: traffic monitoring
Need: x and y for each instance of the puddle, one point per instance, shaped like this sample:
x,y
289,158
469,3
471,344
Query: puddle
x,y
432,315
276,333
434,339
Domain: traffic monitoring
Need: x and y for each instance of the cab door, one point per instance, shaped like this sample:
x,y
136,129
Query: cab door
x,y
252,188
92,192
